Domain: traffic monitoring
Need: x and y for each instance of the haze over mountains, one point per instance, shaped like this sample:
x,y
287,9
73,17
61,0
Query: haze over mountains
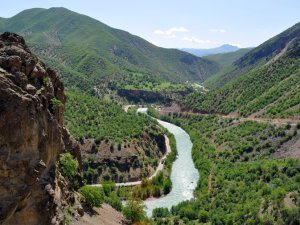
x,y
204,52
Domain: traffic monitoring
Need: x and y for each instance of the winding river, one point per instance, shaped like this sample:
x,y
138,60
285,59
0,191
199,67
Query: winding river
x,y
184,175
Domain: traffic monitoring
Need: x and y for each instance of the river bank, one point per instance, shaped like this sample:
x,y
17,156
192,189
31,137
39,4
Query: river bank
x,y
184,175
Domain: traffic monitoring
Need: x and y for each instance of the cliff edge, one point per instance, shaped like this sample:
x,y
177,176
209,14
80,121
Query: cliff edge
x,y
32,135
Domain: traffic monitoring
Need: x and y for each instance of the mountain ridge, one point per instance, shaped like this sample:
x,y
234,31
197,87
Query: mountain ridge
x,y
77,46
263,83
225,48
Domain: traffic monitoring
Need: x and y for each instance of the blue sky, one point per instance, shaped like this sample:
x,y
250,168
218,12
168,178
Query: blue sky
x,y
183,23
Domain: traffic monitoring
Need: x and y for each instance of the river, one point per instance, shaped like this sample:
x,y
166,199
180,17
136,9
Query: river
x,y
184,175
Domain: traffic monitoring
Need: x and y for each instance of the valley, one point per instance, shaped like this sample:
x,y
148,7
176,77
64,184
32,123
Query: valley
x,y
100,126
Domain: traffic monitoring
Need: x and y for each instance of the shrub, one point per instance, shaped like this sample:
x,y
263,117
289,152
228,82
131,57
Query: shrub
x,y
56,103
167,186
203,216
114,201
108,187
160,212
94,196
134,210
69,165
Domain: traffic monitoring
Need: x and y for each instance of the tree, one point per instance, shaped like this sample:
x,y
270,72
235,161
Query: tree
x,y
134,210
69,165
160,212
203,216
94,196
167,186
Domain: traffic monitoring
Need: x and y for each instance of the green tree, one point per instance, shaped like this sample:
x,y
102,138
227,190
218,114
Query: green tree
x,y
134,210
167,186
94,196
69,165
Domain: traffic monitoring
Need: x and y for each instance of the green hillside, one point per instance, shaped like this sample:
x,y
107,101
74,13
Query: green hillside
x,y
242,179
87,52
273,48
226,59
225,62
270,87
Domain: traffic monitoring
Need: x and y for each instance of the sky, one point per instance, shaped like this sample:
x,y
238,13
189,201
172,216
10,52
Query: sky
x,y
182,23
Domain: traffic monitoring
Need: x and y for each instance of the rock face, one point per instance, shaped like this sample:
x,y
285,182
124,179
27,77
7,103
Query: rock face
x,y
31,137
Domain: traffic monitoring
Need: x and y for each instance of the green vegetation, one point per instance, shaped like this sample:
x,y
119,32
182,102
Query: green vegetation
x,y
108,127
161,184
69,165
227,59
272,90
241,181
105,125
87,52
56,103
90,117
69,169
134,210
140,81
264,81
94,196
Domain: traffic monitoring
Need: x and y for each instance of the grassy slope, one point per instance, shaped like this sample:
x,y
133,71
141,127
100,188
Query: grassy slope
x,y
270,89
85,50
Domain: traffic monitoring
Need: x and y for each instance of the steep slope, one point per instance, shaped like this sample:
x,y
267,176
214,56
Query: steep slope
x,y
271,49
31,139
211,51
270,85
225,62
227,59
86,51
116,145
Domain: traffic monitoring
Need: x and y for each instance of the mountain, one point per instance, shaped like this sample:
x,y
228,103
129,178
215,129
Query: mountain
x,y
225,62
87,52
227,59
210,51
264,82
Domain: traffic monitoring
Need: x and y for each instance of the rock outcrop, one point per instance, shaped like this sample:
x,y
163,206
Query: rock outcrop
x,y
124,162
32,135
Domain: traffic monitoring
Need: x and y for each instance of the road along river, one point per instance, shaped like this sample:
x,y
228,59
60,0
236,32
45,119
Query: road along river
x,y
184,175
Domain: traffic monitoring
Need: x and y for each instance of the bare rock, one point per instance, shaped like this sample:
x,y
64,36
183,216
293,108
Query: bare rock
x,y
31,137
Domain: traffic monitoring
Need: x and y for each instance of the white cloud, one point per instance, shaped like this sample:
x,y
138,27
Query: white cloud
x,y
214,30
196,40
236,44
170,33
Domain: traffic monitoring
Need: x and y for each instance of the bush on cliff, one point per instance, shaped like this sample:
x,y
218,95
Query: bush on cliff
x,y
69,165
94,196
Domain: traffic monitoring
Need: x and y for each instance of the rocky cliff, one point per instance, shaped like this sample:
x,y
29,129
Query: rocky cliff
x,y
32,136
129,161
